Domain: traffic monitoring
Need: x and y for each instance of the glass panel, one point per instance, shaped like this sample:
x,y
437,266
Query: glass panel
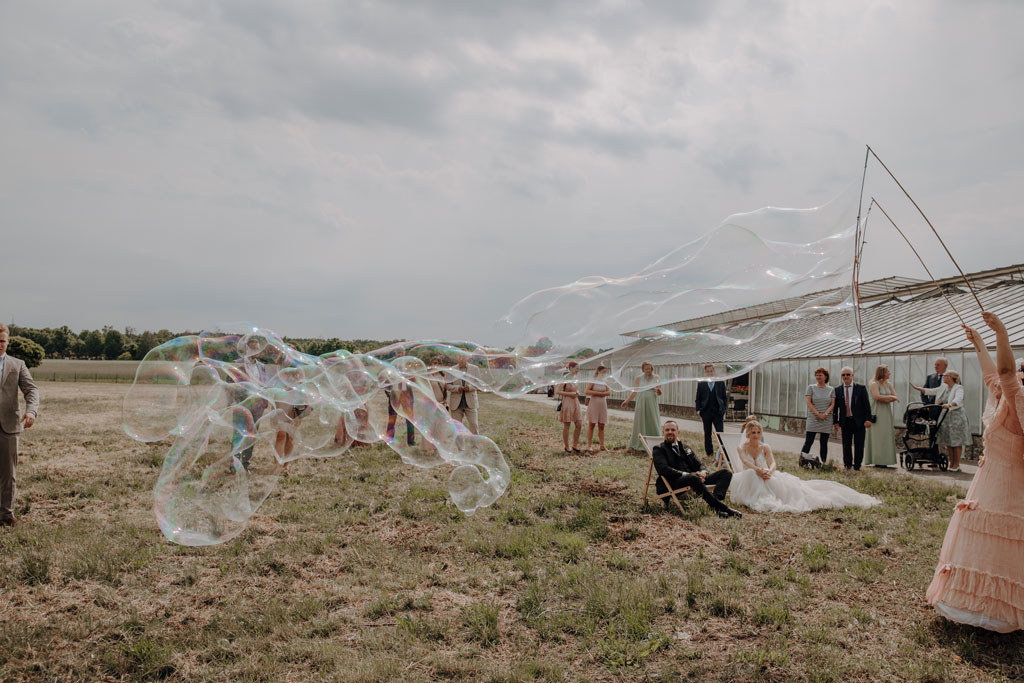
x,y
773,404
974,391
901,374
920,368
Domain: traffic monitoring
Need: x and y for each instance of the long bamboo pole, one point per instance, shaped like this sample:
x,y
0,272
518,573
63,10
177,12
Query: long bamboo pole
x,y
948,252
874,202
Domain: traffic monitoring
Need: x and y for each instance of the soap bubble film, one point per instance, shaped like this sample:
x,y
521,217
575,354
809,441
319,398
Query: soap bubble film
x,y
240,403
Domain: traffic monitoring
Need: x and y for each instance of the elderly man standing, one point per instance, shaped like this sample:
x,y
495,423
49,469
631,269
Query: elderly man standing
x,y
935,379
852,414
14,375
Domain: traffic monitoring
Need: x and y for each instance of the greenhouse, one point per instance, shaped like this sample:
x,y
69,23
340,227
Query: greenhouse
x,y
907,324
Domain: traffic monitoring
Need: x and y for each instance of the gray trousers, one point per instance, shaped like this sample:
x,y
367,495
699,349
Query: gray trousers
x,y
8,463
466,416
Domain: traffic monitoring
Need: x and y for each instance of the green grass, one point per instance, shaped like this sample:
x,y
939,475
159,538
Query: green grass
x,y
359,568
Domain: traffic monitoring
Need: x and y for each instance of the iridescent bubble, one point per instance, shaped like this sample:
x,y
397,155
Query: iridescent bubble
x,y
241,403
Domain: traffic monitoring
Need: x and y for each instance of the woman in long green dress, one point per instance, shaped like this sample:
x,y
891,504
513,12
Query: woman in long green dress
x,y
880,449
646,417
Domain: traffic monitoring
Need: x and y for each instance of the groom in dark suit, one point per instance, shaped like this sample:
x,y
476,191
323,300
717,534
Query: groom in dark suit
x,y
852,414
680,467
712,401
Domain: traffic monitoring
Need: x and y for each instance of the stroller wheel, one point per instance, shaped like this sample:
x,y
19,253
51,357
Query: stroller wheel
x,y
943,462
908,462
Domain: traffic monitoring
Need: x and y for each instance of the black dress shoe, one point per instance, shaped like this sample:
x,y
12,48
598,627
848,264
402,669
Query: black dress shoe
x,y
729,512
7,521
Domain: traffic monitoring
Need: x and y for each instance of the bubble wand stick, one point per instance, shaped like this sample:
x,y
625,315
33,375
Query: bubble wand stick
x,y
969,285
874,202
857,248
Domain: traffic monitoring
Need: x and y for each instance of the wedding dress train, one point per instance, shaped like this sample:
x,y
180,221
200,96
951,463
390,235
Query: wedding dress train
x,y
784,492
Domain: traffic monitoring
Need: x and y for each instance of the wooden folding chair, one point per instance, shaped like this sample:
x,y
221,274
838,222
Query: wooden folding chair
x,y
649,443
722,453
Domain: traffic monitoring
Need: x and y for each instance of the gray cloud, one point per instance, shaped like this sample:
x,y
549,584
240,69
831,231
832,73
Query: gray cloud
x,y
411,168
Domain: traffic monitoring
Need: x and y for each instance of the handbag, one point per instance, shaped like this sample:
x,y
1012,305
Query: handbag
x,y
558,406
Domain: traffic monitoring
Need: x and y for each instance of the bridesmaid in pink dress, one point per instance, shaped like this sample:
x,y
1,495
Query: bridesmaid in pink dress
x,y
980,577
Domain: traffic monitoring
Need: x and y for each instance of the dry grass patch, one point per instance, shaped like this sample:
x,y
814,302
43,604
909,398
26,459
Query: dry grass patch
x,y
359,568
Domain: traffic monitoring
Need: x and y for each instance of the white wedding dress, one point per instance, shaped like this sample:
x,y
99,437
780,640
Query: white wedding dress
x,y
784,492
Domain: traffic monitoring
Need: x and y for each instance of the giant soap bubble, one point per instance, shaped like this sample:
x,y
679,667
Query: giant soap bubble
x,y
240,402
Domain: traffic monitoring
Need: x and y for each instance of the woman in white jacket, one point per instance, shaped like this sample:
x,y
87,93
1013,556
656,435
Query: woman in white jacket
x,y
955,431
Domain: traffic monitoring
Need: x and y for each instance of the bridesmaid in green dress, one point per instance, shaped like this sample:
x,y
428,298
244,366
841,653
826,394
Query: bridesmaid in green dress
x,y
880,449
646,418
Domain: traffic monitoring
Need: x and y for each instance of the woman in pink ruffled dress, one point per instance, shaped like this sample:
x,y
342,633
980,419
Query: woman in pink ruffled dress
x,y
980,577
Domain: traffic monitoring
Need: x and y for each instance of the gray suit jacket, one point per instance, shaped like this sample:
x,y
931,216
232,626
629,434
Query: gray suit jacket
x,y
16,376
455,397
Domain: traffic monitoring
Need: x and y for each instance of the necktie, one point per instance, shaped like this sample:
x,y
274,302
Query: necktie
x,y
849,400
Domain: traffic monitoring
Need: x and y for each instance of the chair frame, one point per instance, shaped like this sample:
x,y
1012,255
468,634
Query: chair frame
x,y
670,493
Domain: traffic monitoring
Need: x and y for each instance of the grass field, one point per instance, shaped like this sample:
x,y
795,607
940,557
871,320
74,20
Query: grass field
x,y
359,568
58,370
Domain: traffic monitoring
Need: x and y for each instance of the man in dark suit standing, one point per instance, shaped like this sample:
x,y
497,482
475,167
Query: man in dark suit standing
x,y
14,377
681,468
712,401
935,379
852,414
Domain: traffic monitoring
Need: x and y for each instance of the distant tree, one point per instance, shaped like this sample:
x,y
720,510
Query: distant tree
x,y
146,341
125,356
113,344
77,347
42,337
27,350
62,340
93,344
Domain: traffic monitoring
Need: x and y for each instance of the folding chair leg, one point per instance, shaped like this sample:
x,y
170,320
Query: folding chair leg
x,y
647,486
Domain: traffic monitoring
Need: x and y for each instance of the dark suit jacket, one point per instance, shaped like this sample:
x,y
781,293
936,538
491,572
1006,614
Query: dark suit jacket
x,y
714,402
861,407
930,383
672,465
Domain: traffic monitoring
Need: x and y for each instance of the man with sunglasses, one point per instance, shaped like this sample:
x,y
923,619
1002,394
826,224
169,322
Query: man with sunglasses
x,y
852,414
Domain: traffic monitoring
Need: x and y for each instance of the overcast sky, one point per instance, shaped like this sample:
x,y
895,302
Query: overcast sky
x,y
413,168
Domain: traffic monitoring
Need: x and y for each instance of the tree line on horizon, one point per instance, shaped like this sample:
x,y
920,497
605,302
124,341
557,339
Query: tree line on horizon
x,y
32,344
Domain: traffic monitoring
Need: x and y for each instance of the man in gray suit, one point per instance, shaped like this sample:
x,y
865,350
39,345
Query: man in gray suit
x,y
14,375
462,397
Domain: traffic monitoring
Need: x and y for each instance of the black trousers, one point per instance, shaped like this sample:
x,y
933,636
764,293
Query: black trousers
x,y
719,480
809,441
709,419
853,442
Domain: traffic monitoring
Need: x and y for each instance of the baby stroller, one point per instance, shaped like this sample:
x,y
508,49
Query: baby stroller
x,y
919,440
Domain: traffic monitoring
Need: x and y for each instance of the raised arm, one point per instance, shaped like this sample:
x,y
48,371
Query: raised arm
x,y
932,391
1004,354
988,367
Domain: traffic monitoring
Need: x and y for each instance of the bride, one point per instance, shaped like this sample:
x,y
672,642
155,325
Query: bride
x,y
759,485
